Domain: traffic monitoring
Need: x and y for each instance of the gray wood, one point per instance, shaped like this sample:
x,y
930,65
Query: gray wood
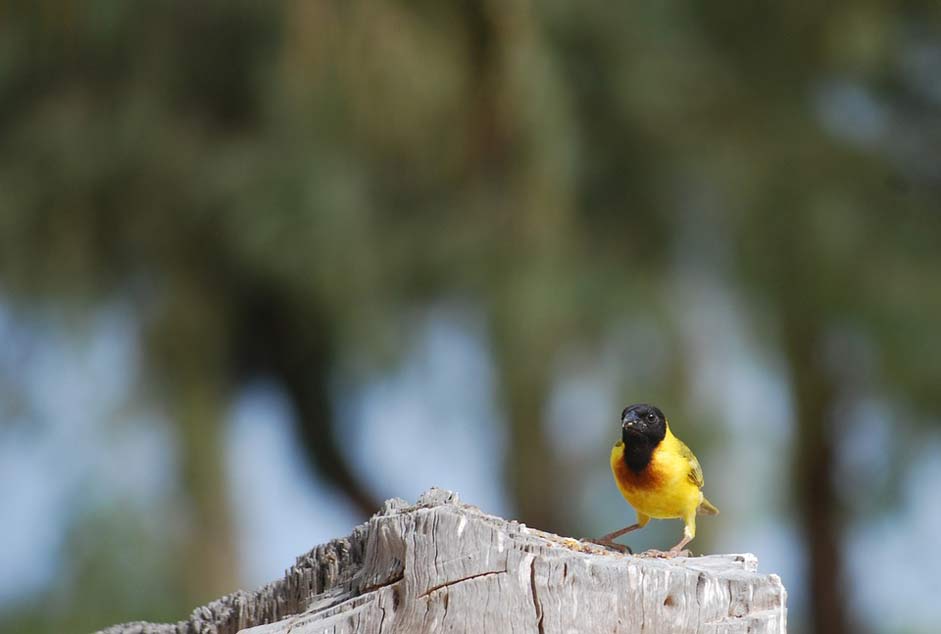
x,y
444,566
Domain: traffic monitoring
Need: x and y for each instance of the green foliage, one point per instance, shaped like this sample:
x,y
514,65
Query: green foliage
x,y
273,186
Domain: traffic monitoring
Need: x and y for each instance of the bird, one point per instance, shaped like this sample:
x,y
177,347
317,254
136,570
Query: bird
x,y
658,475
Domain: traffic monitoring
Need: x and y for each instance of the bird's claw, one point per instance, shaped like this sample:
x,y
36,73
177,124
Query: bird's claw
x,y
611,545
666,554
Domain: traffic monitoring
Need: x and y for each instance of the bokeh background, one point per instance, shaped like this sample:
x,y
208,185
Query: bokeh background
x,y
265,264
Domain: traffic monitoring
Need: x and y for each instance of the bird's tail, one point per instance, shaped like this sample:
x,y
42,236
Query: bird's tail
x,y
706,508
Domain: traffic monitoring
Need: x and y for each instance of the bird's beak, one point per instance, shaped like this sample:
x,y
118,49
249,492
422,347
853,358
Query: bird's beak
x,y
630,421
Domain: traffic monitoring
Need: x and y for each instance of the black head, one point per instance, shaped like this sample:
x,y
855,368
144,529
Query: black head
x,y
643,424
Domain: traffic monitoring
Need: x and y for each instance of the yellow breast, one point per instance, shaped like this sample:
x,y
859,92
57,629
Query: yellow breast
x,y
662,489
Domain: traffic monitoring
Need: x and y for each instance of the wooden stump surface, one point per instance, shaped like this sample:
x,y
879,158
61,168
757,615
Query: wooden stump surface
x,y
443,566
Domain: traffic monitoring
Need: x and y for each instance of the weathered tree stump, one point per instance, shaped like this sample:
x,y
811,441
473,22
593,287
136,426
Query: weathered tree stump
x,y
441,565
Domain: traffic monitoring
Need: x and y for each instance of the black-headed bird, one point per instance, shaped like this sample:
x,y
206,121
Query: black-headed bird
x,y
657,474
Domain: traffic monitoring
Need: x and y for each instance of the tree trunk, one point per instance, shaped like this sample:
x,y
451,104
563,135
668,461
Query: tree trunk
x,y
441,565
814,457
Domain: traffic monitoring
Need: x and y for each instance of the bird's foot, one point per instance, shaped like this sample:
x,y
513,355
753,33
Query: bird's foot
x,y
611,545
666,554
654,553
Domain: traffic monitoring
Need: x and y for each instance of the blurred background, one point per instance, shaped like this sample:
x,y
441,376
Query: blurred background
x,y
265,264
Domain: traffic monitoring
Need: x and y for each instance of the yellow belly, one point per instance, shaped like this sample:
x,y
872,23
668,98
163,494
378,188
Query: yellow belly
x,y
663,490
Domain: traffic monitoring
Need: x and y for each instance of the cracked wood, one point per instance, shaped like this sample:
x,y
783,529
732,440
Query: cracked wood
x,y
444,566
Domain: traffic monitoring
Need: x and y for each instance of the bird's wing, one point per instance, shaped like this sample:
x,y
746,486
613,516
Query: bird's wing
x,y
695,471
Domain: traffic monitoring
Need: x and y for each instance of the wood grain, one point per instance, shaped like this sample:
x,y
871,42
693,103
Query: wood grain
x,y
443,566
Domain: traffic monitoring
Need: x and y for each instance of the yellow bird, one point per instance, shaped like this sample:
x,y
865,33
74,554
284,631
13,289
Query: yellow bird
x,y
657,474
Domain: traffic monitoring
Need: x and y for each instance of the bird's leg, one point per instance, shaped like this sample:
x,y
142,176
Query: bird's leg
x,y
689,532
679,549
608,540
624,531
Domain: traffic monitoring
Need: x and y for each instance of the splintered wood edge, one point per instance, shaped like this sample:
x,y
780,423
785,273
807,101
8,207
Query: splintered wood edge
x,y
327,574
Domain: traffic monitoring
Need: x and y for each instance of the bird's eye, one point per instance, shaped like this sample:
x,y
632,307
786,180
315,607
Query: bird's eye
x,y
651,417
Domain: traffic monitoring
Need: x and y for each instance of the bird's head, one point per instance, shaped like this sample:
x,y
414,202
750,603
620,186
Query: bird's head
x,y
642,423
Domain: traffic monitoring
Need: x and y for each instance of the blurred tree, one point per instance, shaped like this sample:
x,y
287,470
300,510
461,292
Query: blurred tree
x,y
272,186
